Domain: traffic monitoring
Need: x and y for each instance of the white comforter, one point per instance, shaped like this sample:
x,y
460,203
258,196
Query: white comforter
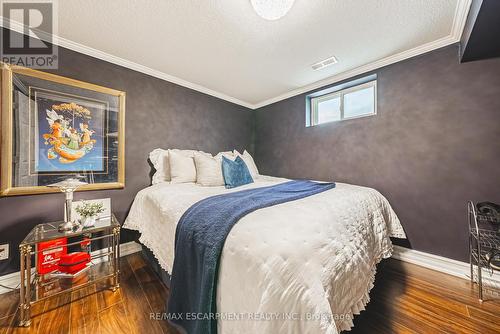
x,y
305,266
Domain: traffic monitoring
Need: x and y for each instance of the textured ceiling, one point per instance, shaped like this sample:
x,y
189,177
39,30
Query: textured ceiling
x,y
224,46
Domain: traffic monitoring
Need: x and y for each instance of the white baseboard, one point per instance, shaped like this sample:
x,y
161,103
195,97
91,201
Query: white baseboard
x,y
127,248
13,279
426,260
441,264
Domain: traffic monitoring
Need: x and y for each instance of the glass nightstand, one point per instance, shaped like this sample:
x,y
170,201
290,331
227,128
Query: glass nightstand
x,y
36,287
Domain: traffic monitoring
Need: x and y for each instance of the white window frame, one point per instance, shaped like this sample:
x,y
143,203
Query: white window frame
x,y
315,101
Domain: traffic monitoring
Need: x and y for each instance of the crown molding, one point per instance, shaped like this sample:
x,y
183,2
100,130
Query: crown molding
x,y
80,48
360,70
460,17
149,71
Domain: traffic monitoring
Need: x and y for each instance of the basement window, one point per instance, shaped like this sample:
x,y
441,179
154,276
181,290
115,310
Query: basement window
x,y
347,101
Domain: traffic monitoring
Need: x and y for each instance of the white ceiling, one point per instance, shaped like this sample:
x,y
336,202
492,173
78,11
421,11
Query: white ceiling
x,y
223,48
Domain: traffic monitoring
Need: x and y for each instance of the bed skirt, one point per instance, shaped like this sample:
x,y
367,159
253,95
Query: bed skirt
x,y
153,262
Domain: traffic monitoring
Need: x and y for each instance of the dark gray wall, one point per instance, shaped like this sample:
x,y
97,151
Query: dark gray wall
x,y
480,36
434,144
158,114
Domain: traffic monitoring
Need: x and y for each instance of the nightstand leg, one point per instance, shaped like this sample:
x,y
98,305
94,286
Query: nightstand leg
x,y
27,303
114,262
22,296
118,258
110,256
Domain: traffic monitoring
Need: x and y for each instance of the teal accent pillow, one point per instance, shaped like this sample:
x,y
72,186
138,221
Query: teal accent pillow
x,y
235,172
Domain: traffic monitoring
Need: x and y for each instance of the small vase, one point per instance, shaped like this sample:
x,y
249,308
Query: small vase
x,y
88,221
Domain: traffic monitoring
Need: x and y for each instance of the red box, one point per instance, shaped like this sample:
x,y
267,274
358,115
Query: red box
x,y
73,262
48,259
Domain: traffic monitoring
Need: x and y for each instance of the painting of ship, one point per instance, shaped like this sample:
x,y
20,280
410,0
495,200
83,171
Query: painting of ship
x,y
68,144
71,131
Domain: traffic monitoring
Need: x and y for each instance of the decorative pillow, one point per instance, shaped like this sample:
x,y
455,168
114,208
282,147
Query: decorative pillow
x,y
235,172
159,158
182,167
208,170
252,167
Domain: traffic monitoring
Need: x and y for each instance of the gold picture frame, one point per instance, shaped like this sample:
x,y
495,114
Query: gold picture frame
x,y
7,119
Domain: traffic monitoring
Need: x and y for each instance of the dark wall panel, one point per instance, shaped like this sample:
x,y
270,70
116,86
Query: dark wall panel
x,y
480,37
158,114
434,144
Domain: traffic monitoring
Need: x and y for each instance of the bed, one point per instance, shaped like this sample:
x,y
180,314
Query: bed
x,y
305,266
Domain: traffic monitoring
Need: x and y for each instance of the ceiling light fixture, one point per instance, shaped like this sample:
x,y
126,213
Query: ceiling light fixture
x,y
324,63
272,9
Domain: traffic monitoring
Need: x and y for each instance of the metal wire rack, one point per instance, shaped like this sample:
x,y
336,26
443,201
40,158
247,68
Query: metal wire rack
x,y
484,237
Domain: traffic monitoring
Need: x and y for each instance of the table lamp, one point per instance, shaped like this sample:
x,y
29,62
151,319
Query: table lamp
x,y
68,186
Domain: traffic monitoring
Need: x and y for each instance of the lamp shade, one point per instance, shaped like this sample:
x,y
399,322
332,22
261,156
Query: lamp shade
x,y
272,9
70,184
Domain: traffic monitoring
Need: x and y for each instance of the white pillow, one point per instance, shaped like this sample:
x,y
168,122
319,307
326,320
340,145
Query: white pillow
x,y
247,158
227,154
159,158
208,170
182,168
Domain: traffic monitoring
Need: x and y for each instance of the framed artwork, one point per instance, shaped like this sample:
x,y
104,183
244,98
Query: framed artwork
x,y
55,128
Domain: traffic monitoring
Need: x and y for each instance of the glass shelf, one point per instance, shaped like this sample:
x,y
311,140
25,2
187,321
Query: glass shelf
x,y
48,231
35,287
47,286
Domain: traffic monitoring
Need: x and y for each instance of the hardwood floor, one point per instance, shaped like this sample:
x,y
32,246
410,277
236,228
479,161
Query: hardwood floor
x,y
412,299
406,299
96,309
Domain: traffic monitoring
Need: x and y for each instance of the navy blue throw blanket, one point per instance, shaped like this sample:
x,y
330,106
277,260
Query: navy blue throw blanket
x,y
199,240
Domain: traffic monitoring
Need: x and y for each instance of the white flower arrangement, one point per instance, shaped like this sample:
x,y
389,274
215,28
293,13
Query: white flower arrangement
x,y
87,210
